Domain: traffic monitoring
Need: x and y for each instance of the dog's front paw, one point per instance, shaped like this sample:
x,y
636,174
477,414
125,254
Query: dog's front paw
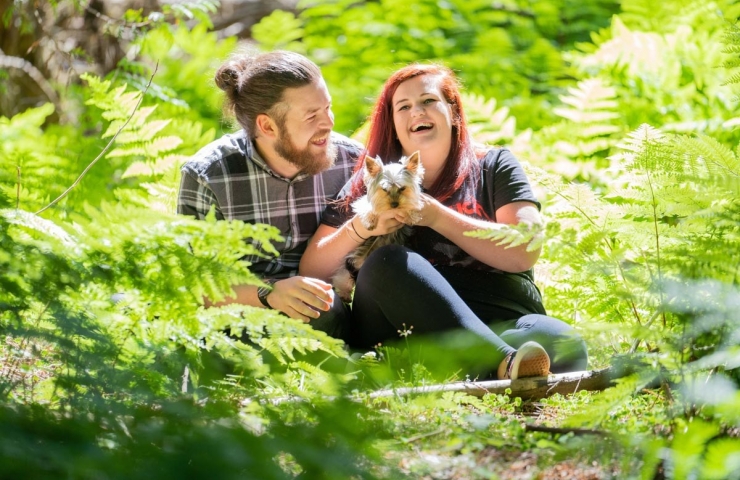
x,y
370,221
412,217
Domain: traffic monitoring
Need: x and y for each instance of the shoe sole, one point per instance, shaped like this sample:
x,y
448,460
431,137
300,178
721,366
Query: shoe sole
x,y
531,360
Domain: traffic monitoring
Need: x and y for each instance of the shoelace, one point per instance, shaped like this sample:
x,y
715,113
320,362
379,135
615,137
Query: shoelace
x,y
510,365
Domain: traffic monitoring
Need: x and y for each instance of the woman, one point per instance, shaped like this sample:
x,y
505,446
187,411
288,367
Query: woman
x,y
445,280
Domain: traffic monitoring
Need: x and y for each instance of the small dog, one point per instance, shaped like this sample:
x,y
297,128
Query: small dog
x,y
389,186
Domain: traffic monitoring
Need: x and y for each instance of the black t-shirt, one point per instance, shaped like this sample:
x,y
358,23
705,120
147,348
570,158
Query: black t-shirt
x,y
498,180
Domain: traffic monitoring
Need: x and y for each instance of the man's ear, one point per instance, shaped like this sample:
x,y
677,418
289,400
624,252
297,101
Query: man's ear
x,y
266,126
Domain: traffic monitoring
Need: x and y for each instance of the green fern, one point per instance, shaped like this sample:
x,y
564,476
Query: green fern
x,y
488,124
623,247
511,236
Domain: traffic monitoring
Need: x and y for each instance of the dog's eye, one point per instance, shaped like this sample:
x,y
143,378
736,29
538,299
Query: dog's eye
x,y
400,190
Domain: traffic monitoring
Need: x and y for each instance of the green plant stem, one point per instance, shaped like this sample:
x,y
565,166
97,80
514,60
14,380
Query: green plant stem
x,y
637,341
107,147
18,190
657,241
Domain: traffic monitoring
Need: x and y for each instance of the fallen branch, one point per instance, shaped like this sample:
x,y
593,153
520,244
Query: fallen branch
x,y
527,388
531,388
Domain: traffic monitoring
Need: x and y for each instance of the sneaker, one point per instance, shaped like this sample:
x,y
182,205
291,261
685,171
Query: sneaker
x,y
531,360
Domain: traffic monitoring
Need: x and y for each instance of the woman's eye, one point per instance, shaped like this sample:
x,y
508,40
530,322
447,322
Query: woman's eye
x,y
404,107
429,100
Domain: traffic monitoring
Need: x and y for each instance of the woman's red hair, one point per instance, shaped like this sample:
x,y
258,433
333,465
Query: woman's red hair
x,y
383,141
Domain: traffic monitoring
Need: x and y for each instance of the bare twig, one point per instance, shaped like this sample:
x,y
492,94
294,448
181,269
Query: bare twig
x,y
107,147
185,378
575,431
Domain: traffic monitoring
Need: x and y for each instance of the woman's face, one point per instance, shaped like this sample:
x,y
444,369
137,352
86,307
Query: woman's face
x,y
422,117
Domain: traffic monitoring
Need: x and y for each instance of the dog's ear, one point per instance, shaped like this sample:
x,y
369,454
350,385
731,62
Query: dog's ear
x,y
372,165
413,163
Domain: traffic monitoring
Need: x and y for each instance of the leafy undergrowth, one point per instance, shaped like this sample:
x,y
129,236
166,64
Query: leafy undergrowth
x,y
456,436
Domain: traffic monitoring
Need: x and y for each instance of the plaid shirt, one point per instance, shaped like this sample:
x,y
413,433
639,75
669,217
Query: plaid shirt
x,y
230,174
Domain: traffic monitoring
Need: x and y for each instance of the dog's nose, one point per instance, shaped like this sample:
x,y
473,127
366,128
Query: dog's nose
x,y
394,204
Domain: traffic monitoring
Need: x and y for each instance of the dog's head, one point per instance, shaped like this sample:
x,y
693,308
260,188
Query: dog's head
x,y
394,185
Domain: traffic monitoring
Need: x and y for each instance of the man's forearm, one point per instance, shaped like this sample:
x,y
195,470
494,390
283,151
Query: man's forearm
x,y
245,295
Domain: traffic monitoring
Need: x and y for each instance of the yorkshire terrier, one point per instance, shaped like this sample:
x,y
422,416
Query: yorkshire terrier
x,y
389,186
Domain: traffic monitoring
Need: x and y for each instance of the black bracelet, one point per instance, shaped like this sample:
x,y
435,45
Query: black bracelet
x,y
352,224
263,292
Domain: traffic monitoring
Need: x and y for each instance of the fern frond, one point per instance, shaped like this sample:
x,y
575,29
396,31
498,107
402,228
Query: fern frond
x,y
592,101
143,135
487,123
531,234
732,80
40,225
636,139
718,159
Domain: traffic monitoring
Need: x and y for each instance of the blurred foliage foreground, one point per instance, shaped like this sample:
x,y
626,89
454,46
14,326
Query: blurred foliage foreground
x,y
110,367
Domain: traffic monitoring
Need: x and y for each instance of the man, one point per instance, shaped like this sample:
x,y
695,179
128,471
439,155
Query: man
x,y
280,169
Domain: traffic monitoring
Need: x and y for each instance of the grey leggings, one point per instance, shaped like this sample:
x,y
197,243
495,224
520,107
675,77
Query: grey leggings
x,y
397,288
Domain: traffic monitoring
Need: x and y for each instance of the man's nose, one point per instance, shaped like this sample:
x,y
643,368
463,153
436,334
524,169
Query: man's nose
x,y
328,119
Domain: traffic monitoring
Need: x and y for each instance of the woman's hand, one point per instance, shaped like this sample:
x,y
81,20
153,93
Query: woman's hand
x,y
385,223
452,224
429,212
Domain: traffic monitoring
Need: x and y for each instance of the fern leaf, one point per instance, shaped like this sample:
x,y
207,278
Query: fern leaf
x,y
732,80
636,139
143,134
40,225
511,236
590,94
162,144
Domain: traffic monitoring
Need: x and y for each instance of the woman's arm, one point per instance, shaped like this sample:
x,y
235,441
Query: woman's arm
x,y
329,245
453,225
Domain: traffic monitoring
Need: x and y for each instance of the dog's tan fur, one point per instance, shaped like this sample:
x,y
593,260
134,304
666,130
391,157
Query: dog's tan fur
x,y
389,186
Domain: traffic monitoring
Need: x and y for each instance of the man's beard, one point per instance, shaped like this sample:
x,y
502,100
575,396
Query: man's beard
x,y
309,163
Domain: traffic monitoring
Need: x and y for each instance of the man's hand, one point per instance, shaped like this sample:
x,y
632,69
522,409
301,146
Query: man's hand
x,y
302,298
